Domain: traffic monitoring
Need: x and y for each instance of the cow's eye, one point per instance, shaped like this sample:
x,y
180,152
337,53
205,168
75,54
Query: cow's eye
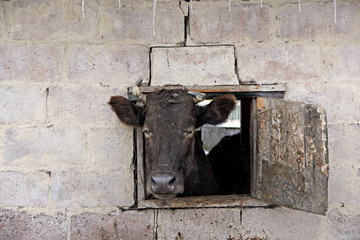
x,y
189,132
147,133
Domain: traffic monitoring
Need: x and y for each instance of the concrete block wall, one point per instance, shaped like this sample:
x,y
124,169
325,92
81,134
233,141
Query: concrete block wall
x,y
66,163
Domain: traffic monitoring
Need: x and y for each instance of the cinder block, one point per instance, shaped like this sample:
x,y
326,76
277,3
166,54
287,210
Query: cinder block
x,y
344,150
193,66
47,147
22,105
75,26
214,23
345,166
55,21
93,189
3,61
2,24
343,184
124,225
22,225
341,100
112,146
271,64
283,223
341,62
20,189
344,224
199,224
40,20
133,23
316,21
83,105
108,65
38,63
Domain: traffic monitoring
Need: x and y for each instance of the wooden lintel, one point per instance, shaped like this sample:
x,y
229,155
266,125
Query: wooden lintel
x,y
222,88
248,90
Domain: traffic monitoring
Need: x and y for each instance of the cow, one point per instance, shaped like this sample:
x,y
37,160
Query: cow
x,y
231,170
175,161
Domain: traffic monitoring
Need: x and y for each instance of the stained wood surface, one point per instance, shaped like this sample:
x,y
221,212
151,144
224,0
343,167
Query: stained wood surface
x,y
291,155
213,201
245,90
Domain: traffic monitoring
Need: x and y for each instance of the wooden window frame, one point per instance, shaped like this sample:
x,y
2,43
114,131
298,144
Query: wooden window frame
x,y
269,117
248,92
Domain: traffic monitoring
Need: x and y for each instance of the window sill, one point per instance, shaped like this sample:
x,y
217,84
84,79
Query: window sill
x,y
213,201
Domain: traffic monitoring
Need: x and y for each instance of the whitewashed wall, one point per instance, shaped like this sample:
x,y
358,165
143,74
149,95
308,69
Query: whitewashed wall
x,y
65,160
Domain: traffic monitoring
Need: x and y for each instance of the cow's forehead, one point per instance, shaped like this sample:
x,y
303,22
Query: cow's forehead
x,y
170,106
169,97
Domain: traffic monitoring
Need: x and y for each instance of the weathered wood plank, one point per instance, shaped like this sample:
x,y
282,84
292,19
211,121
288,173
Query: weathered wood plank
x,y
253,148
316,156
248,90
141,195
295,160
275,177
295,134
263,140
278,131
296,173
229,88
213,201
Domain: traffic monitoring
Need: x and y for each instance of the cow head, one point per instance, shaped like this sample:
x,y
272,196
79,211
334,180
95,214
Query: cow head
x,y
168,120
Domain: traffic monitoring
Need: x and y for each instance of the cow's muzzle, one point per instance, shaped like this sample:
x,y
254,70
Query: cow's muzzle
x,y
165,185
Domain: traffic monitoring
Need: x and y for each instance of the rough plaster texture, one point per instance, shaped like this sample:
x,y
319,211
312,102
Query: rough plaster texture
x,y
43,147
66,163
269,64
22,104
34,62
21,225
80,105
132,23
24,189
193,66
123,225
345,110
3,52
213,23
209,224
101,63
92,189
310,25
2,23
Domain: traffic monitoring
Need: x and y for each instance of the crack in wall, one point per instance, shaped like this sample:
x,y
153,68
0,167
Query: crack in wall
x,y
156,214
187,27
46,104
150,73
135,167
241,218
186,22
236,65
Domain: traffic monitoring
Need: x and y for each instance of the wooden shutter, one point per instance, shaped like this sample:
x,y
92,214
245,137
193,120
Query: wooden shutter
x,y
289,154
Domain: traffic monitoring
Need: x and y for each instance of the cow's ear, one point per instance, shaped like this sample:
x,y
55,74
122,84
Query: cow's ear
x,y
128,112
216,112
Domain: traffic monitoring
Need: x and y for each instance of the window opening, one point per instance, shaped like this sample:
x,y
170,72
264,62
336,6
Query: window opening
x,y
285,142
266,124
228,153
227,149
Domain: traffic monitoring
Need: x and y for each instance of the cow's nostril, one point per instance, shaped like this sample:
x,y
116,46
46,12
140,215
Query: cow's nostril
x,y
152,181
172,180
163,183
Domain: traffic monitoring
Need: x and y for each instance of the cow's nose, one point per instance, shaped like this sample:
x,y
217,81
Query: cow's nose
x,y
163,183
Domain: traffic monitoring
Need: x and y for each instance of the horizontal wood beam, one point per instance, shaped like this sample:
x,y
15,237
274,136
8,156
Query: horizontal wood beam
x,y
240,91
